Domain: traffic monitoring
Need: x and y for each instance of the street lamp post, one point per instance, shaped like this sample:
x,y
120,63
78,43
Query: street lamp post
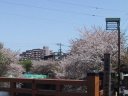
x,y
114,24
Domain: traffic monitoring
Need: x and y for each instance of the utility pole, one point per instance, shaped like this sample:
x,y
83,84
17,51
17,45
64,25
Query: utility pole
x,y
60,49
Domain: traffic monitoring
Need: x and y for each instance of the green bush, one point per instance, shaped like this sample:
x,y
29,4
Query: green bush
x,y
27,64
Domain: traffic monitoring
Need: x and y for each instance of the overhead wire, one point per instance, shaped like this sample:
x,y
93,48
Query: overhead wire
x,y
51,9
64,11
60,10
32,6
83,5
75,4
92,7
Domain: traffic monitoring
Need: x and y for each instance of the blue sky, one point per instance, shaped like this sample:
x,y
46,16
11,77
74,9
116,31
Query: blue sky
x,y
29,24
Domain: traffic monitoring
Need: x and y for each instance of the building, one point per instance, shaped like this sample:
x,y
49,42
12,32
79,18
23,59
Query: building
x,y
42,54
35,54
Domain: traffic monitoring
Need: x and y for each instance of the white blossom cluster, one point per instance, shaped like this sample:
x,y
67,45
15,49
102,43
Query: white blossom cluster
x,y
87,52
9,63
47,67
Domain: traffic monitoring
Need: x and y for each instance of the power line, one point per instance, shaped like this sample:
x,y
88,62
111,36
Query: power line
x,y
83,5
51,9
65,11
93,7
76,4
59,10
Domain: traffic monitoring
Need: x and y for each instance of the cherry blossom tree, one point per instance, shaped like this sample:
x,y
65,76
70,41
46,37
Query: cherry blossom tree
x,y
4,62
9,62
87,52
15,70
49,67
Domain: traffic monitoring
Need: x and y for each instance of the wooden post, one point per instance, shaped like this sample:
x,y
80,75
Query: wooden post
x,y
107,75
12,87
58,89
93,84
33,87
